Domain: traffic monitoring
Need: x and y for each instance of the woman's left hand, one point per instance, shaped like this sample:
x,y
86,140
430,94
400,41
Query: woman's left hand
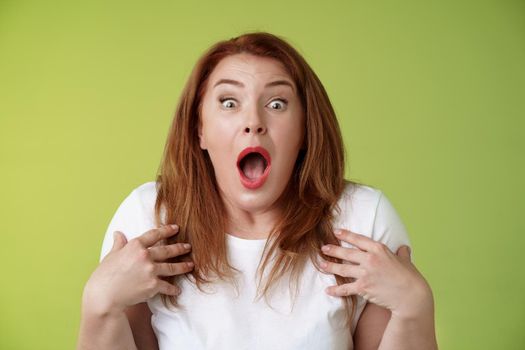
x,y
380,277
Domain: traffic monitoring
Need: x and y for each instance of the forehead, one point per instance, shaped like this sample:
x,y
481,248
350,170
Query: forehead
x,y
249,69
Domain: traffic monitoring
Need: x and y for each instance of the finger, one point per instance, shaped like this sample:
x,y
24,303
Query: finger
x,y
345,270
354,255
119,240
342,290
163,252
153,236
168,288
170,269
358,240
404,252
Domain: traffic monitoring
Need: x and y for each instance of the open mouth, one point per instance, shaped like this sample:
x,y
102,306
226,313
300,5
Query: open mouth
x,y
254,165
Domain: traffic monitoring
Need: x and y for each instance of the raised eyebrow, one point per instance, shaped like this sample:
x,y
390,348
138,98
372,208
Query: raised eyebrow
x,y
239,84
280,82
229,81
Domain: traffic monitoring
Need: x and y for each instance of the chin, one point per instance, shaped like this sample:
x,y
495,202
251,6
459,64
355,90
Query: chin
x,y
255,201
250,200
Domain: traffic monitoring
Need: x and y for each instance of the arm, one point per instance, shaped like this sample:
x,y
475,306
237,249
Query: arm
x,y
378,329
113,331
412,331
126,277
390,281
370,327
139,317
101,329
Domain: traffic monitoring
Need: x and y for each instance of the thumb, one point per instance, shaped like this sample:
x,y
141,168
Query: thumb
x,y
119,240
404,252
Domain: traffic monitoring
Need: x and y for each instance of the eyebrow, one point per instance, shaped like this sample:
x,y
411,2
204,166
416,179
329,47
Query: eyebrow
x,y
239,84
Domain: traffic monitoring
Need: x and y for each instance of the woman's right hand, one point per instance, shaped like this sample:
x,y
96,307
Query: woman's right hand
x,y
129,273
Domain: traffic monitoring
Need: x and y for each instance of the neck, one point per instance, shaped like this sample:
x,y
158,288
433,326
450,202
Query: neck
x,y
251,224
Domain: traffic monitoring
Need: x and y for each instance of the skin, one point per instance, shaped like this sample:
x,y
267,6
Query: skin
x,y
234,117
380,276
129,273
119,287
392,286
254,115
116,314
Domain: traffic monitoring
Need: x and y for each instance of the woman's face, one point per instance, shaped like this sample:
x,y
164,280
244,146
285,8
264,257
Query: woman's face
x,y
249,102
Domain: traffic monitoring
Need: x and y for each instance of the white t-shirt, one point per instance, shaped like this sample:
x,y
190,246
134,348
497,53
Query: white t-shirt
x,y
221,318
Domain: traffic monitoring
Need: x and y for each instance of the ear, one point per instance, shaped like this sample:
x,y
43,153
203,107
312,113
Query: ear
x,y
202,142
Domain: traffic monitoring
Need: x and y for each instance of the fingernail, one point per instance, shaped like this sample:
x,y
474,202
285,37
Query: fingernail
x,y
337,232
325,248
409,251
189,264
323,264
174,226
187,245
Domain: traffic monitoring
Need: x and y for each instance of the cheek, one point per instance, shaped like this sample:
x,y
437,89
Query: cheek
x,y
288,141
214,130
219,143
288,135
215,127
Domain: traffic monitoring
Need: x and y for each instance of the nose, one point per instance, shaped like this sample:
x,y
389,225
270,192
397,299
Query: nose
x,y
259,129
255,126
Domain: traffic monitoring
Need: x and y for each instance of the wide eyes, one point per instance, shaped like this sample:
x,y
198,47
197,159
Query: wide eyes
x,y
281,104
227,102
276,104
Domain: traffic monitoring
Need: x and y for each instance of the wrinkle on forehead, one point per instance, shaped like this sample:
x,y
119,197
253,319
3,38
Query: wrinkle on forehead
x,y
250,67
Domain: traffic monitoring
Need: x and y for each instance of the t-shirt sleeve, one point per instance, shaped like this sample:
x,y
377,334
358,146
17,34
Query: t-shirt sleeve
x,y
128,219
388,227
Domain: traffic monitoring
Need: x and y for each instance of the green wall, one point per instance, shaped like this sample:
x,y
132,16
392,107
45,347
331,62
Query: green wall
x,y
429,96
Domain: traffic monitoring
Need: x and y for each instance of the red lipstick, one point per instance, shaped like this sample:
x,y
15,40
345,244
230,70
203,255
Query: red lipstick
x,y
258,182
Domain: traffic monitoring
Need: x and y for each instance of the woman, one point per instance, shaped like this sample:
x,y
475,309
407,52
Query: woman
x,y
252,179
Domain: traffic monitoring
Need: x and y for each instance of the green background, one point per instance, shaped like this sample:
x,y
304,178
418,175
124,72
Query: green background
x,y
429,96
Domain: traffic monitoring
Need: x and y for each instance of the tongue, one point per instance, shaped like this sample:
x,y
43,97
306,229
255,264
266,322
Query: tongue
x,y
253,165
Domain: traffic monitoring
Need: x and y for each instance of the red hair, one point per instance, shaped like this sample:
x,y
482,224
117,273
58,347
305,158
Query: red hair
x,y
192,200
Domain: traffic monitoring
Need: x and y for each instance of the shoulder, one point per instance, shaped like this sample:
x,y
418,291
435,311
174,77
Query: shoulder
x,y
147,189
140,203
357,206
146,195
367,210
360,193
134,215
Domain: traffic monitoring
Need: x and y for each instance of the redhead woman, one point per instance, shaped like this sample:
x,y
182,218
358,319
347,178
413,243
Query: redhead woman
x,y
250,237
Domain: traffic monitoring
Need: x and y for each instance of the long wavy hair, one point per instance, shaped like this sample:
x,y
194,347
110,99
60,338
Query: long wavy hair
x,y
187,191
